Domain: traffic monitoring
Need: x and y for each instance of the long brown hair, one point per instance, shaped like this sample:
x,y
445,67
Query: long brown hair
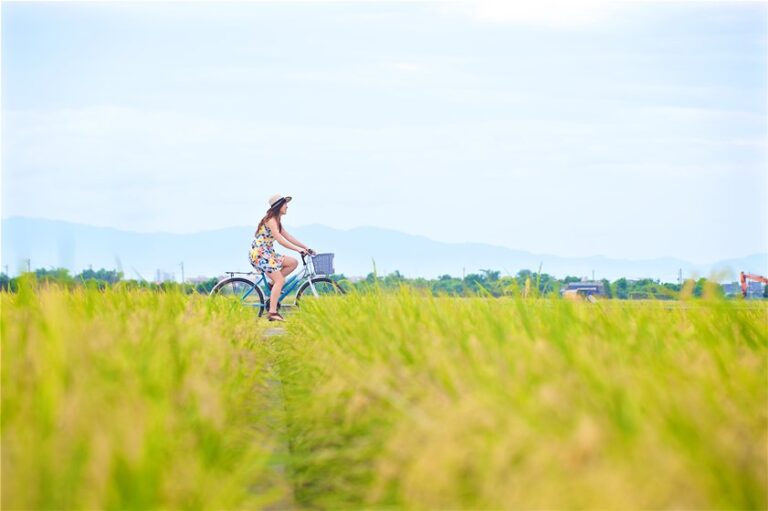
x,y
272,213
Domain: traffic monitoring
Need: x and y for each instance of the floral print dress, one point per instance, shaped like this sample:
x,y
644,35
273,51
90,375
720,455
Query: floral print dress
x,y
262,254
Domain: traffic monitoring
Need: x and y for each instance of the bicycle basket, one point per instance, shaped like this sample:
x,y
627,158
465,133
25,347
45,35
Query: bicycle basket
x,y
323,263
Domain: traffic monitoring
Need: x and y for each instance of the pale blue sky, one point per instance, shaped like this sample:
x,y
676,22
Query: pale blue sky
x,y
629,130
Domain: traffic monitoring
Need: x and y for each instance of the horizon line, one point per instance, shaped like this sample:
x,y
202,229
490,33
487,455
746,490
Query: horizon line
x,y
593,256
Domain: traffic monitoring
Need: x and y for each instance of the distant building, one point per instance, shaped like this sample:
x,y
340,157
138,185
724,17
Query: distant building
x,y
585,288
198,280
754,289
162,276
731,288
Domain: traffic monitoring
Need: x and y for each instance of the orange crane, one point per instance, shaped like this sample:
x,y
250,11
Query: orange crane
x,y
749,276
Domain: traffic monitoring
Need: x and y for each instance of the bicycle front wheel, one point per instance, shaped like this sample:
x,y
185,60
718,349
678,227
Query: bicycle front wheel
x,y
241,289
321,287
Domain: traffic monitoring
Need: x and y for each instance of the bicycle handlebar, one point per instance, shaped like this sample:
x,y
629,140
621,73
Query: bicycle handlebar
x,y
304,254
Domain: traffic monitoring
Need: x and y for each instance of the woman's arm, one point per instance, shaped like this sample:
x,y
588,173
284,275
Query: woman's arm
x,y
272,224
293,240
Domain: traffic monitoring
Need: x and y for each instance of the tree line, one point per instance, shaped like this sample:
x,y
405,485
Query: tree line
x,y
486,282
99,279
526,282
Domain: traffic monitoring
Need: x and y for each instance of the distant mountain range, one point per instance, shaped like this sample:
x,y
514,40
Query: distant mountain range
x,y
52,243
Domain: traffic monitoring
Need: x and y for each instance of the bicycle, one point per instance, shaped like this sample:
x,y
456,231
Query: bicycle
x,y
309,284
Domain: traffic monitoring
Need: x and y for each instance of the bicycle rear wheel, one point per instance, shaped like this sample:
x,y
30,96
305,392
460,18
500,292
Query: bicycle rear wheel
x,y
323,288
242,289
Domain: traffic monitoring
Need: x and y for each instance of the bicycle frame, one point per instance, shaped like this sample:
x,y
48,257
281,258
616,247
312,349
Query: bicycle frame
x,y
292,283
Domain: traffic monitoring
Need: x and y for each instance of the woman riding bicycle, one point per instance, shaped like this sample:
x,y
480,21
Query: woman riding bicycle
x,y
263,256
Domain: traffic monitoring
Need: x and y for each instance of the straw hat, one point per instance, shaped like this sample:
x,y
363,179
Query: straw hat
x,y
278,200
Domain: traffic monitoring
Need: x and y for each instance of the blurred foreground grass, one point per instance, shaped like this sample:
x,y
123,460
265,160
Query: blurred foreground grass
x,y
122,399
443,403
130,399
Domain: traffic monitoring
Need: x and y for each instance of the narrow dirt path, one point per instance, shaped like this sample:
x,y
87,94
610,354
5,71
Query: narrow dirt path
x,y
277,420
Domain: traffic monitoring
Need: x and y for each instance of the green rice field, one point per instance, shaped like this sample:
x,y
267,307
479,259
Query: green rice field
x,y
135,399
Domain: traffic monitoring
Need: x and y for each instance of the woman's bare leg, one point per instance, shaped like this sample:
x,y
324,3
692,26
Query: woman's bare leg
x,y
289,264
278,279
